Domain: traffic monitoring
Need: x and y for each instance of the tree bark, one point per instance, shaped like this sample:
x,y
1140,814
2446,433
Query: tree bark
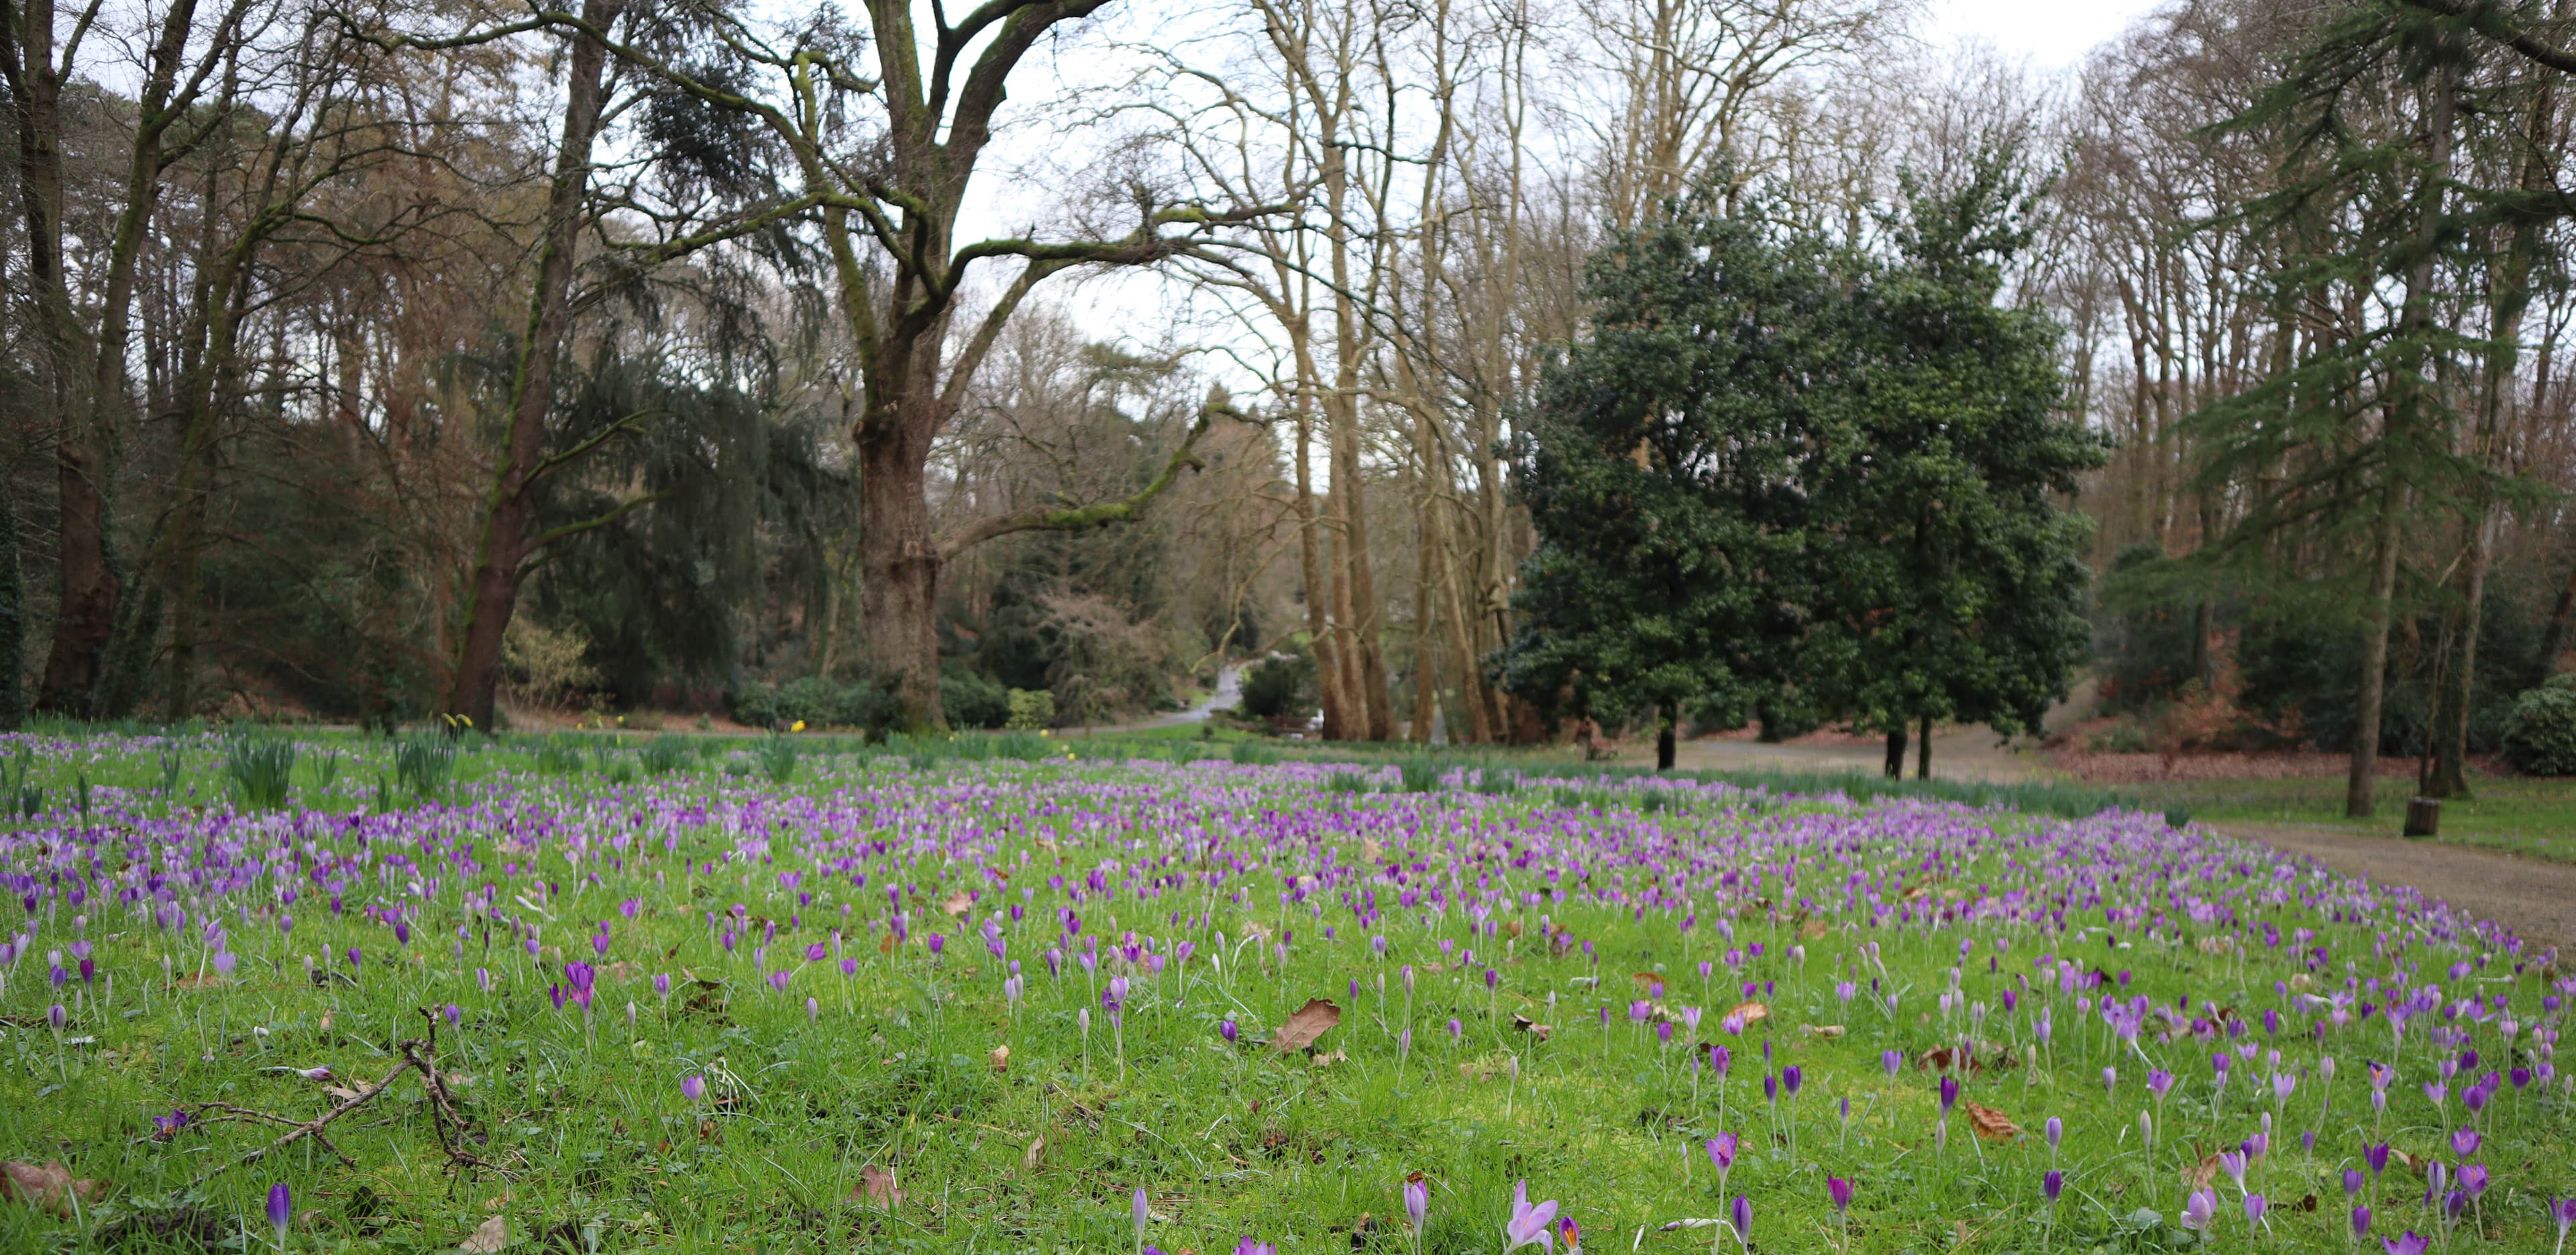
x,y
1667,726
899,569
2361,783
1895,765
1923,751
509,511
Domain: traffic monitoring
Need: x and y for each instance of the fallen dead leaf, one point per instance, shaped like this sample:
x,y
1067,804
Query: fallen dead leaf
x,y
1813,929
1532,1027
1036,1151
488,1237
958,903
1646,980
50,1187
1305,1024
1330,1057
1371,850
1989,1123
1001,1058
1821,1030
877,1185
1750,1012
621,971
2199,1175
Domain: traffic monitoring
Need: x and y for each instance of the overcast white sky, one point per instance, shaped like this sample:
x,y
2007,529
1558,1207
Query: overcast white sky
x,y
2050,34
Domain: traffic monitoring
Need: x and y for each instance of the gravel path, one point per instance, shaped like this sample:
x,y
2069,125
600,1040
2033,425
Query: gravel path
x,y
2536,900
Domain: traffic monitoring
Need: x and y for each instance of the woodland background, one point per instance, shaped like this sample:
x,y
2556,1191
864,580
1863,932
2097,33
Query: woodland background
x,y
371,362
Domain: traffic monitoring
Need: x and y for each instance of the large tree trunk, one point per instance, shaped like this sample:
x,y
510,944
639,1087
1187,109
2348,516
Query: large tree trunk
x,y
899,569
500,560
1667,723
1895,765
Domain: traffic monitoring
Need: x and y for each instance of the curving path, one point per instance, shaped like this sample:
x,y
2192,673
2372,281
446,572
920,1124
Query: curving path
x,y
2537,900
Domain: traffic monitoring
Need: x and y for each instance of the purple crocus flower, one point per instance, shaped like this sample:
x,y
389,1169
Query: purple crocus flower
x,y
2052,1184
2254,1206
1949,1094
2199,1210
1227,1030
2409,1244
1840,1191
1740,1218
1529,1225
2360,1222
281,1210
2464,1142
1417,1192
1721,1152
693,1087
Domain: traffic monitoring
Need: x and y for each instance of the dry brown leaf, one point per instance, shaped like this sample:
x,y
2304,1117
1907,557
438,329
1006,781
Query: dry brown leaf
x,y
1330,1057
1371,850
1821,1030
621,971
50,1187
877,1185
1305,1024
1646,980
1989,1123
1511,928
1532,1027
1813,929
193,980
1037,1150
1001,1058
1750,1012
2199,1175
342,1093
958,903
488,1237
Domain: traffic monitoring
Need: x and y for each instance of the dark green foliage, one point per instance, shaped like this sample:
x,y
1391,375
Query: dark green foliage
x,y
1254,754
1956,585
1280,686
1418,774
1784,479
2540,739
1659,468
2144,646
973,701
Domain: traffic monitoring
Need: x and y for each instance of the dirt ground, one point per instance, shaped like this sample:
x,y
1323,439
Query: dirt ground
x,y
2536,900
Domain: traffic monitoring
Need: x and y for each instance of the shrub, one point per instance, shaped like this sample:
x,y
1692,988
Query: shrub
x,y
972,701
811,700
1030,710
1280,686
2540,736
1255,754
755,705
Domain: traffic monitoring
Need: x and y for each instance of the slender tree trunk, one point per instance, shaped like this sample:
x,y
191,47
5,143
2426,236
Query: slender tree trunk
x,y
1328,671
13,616
2361,784
1667,728
1426,655
1923,750
1896,751
2405,414
509,511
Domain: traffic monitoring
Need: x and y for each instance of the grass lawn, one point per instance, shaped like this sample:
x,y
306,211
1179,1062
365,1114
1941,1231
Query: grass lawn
x,y
1010,994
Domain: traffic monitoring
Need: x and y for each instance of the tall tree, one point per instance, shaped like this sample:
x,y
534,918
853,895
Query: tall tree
x,y
1659,467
